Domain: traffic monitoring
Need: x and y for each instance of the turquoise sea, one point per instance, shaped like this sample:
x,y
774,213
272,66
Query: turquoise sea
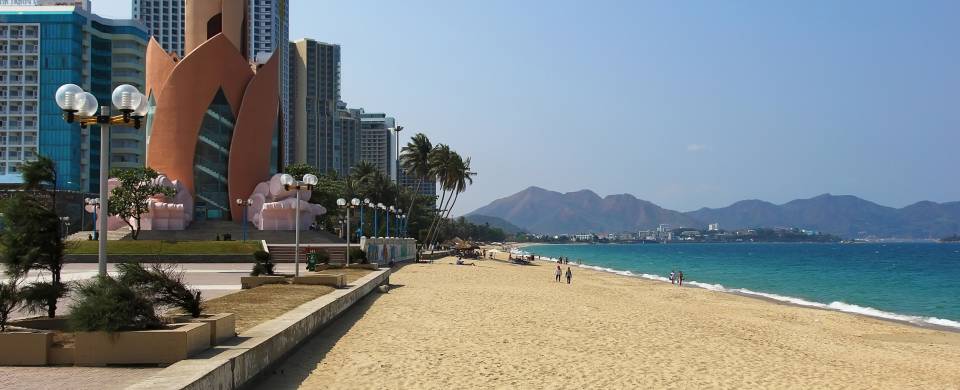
x,y
915,282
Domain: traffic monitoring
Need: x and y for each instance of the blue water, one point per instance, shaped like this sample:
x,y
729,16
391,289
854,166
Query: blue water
x,y
914,282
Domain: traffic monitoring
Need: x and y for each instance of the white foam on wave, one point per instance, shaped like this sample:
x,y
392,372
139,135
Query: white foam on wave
x,y
837,306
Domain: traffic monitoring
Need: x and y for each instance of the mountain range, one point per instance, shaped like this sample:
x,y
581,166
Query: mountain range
x,y
537,210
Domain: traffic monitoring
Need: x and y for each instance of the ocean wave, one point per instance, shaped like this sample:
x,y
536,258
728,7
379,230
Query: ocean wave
x,y
836,306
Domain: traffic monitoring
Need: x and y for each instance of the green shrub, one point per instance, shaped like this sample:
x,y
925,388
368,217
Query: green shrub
x,y
323,257
106,304
164,285
263,264
358,254
9,301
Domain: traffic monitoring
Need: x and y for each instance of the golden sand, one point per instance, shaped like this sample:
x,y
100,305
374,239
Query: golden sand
x,y
498,325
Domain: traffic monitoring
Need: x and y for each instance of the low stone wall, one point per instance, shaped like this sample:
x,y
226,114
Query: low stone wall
x,y
381,250
192,258
426,255
231,367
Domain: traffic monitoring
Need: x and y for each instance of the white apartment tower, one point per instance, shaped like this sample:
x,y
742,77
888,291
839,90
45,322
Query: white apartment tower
x,y
268,31
164,21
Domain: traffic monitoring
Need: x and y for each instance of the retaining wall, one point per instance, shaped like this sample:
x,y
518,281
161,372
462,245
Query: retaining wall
x,y
230,367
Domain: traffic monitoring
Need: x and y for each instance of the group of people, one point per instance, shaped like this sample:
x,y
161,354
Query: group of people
x,y
559,272
676,277
565,260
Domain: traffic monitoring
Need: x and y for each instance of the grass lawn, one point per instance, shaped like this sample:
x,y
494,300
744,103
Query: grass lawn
x,y
145,247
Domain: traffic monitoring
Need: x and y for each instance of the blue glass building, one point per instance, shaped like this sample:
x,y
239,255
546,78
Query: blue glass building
x,y
44,47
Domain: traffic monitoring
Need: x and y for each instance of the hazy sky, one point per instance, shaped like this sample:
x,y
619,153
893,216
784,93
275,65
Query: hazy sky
x,y
685,104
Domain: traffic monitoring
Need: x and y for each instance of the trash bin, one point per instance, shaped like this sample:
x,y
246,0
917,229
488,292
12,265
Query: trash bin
x,y
312,259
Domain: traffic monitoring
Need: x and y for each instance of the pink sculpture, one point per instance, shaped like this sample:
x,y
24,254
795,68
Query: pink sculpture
x,y
274,208
163,213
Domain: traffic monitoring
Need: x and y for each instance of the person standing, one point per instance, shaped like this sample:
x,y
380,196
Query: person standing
x,y
680,278
569,275
673,275
557,273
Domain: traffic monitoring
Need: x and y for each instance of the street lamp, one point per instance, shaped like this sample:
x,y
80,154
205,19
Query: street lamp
x,y
307,183
389,217
380,206
403,226
348,205
93,205
245,204
366,203
373,207
66,223
397,130
399,211
79,106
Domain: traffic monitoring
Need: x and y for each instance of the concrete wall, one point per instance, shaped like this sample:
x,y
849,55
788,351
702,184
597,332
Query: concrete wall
x,y
230,367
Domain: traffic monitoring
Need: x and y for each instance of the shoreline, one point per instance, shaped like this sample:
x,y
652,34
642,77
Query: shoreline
x,y
922,322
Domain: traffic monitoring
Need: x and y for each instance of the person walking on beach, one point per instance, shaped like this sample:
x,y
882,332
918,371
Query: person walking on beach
x,y
673,274
569,275
558,272
680,278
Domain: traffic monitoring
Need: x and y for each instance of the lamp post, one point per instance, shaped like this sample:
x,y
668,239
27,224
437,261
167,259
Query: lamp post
x,y
389,217
79,106
93,204
366,203
306,184
66,224
348,205
245,204
397,228
397,130
373,208
380,206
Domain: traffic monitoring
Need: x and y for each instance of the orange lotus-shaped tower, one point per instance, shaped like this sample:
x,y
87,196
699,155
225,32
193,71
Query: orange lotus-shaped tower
x,y
213,121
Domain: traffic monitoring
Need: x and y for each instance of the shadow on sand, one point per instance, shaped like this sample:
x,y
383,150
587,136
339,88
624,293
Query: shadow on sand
x,y
291,371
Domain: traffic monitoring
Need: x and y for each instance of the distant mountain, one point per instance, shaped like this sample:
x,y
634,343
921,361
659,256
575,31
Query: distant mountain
x,y
541,211
495,222
843,215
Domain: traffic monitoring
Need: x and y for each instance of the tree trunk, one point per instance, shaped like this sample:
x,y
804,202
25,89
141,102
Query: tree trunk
x,y
449,209
443,195
431,238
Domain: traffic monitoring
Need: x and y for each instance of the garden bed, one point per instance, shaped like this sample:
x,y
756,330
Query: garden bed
x,y
258,305
154,247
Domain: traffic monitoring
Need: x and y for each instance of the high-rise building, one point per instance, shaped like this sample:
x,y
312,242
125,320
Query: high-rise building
x,y
268,26
164,21
44,47
376,146
424,187
314,98
83,4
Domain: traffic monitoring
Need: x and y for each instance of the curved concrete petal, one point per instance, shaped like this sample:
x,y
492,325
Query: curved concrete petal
x,y
191,86
252,136
160,65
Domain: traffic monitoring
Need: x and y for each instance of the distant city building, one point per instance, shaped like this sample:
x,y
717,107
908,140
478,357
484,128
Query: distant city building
x,y
83,4
426,187
348,126
713,227
44,47
376,146
583,237
269,30
314,97
164,21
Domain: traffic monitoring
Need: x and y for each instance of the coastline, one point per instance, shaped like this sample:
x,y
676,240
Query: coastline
x,y
923,322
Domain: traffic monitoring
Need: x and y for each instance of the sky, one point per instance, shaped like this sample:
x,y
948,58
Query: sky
x,y
686,104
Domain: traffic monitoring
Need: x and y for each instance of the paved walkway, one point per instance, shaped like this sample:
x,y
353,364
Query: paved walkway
x,y
214,280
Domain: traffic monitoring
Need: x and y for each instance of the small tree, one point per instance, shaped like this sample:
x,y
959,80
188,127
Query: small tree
x,y
33,240
129,199
9,301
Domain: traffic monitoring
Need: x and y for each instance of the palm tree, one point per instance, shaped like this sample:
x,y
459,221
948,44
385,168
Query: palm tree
x,y
459,176
363,173
439,159
415,161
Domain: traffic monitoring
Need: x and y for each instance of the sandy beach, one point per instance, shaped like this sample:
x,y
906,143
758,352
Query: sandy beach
x,y
499,325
